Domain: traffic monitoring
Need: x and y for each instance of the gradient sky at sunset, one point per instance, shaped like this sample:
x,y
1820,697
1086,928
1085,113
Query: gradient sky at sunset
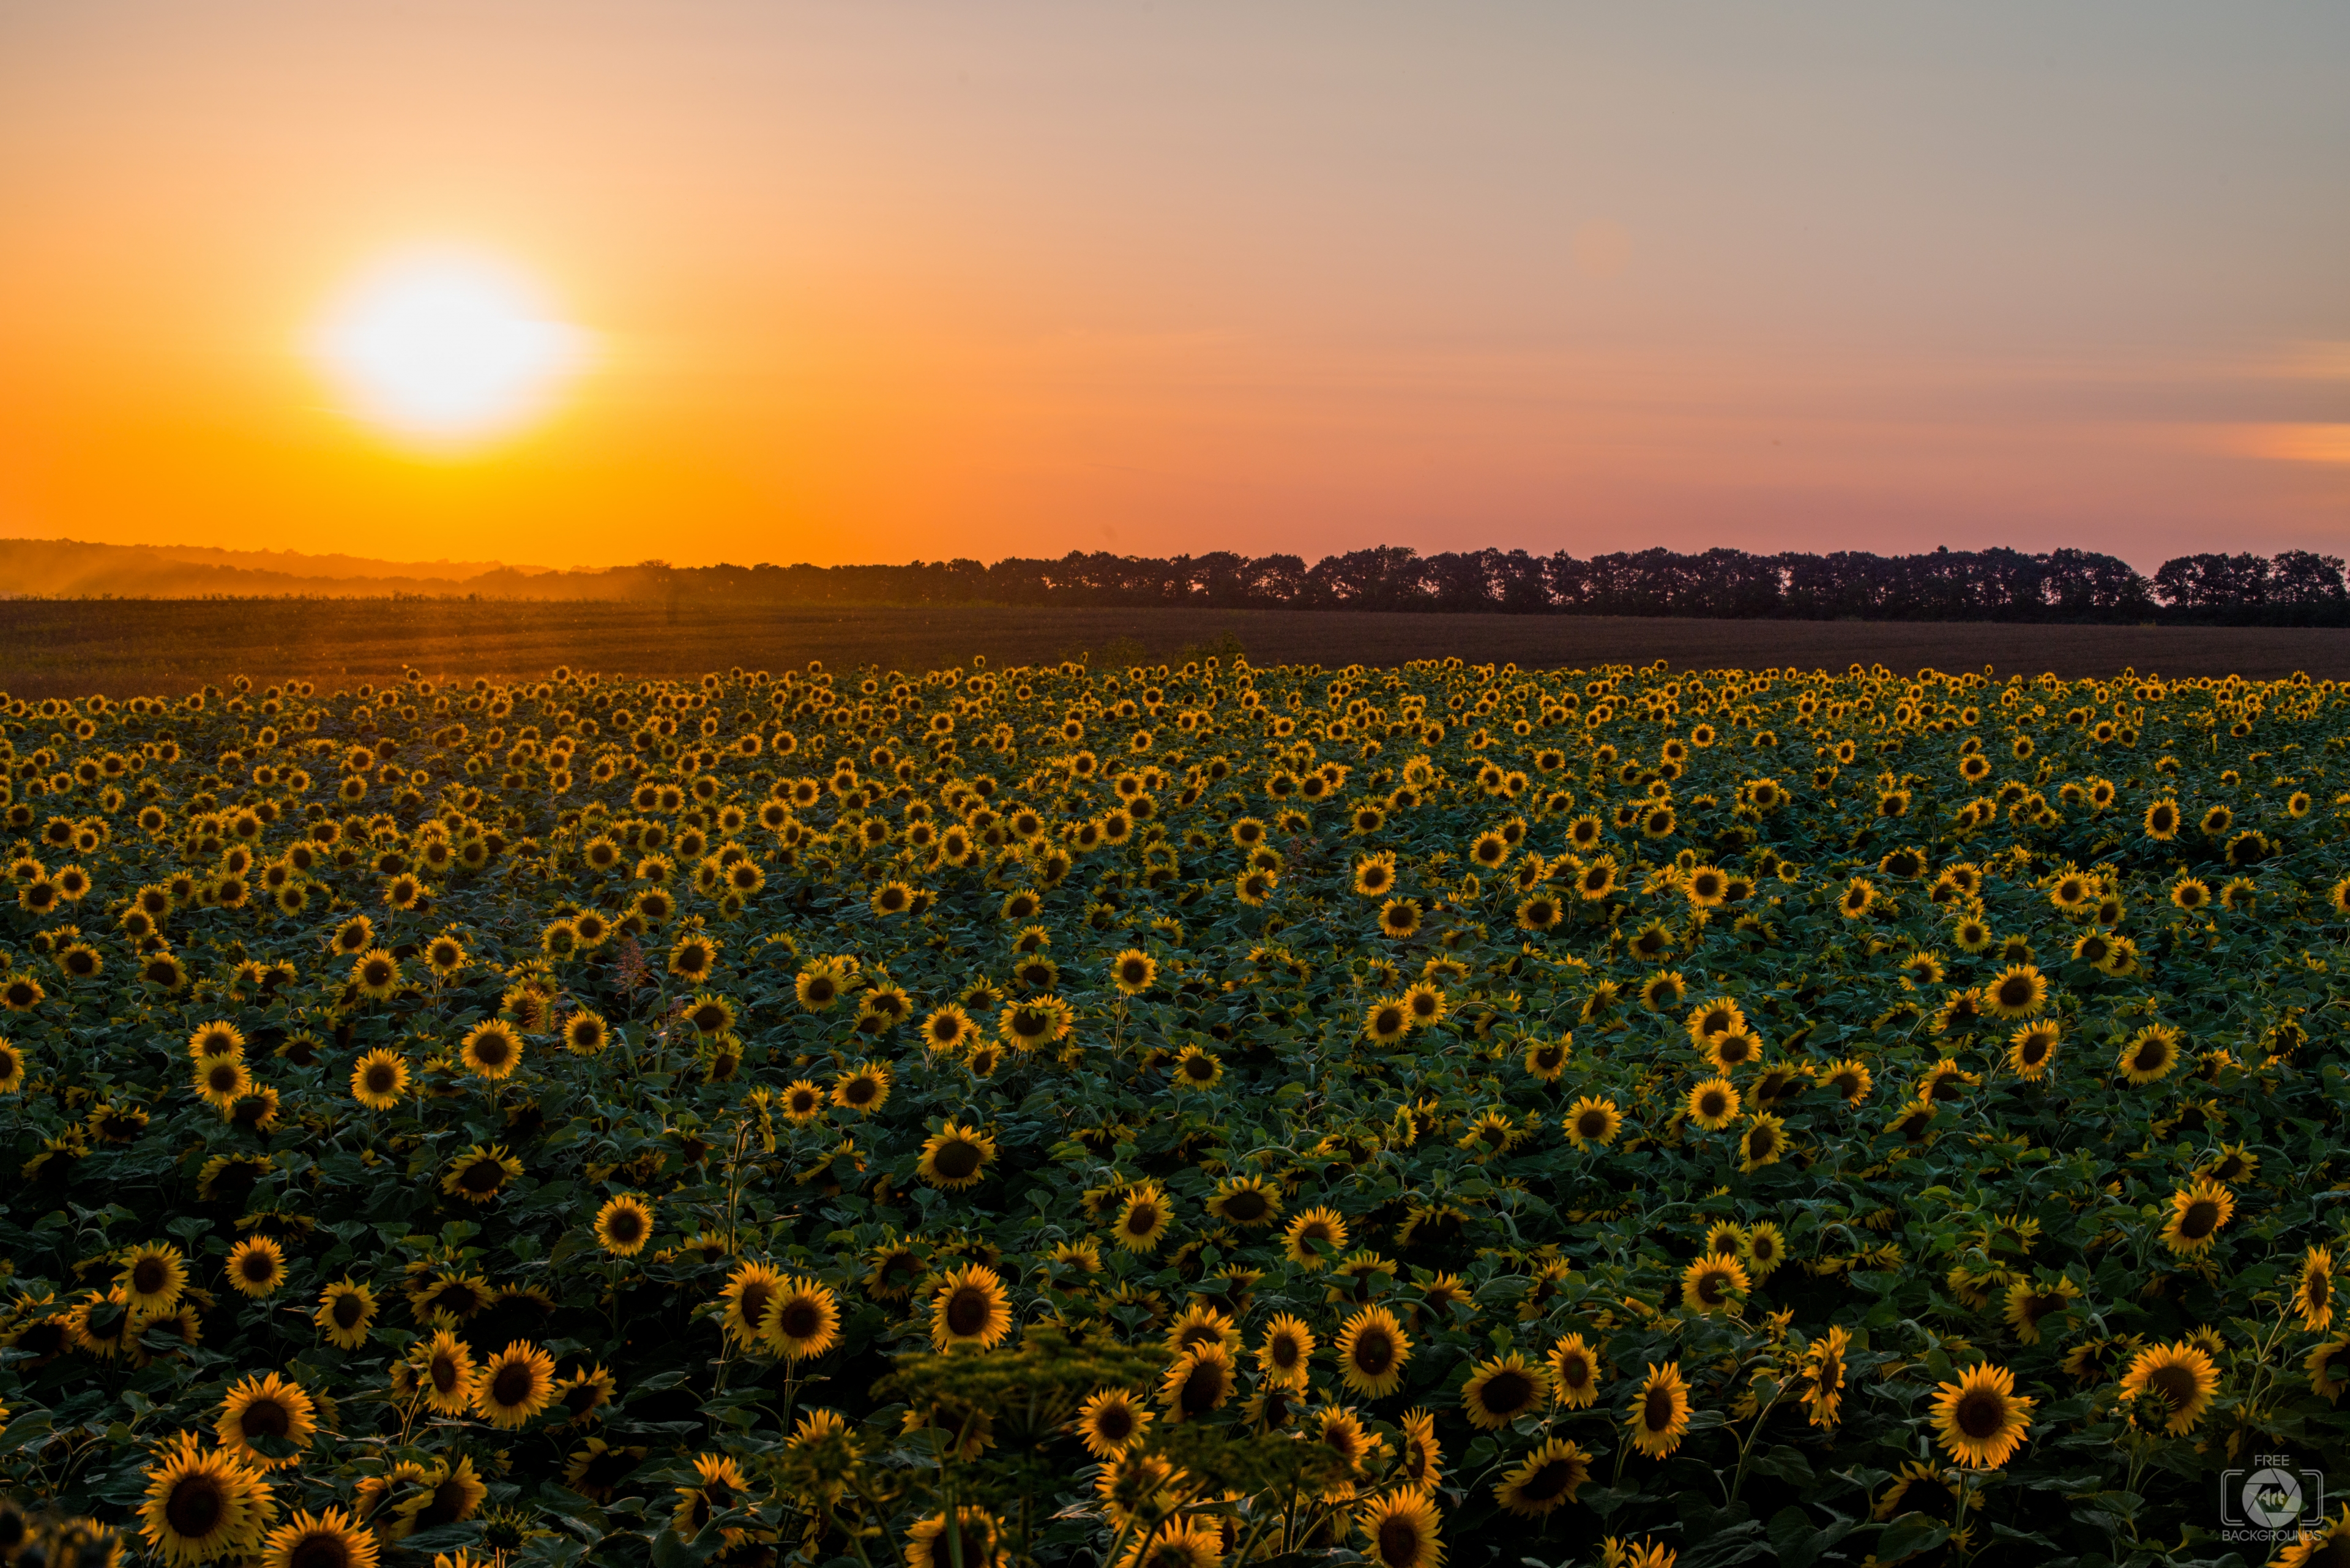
x,y
873,280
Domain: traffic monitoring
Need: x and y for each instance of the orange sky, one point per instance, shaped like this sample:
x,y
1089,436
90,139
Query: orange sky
x,y
881,281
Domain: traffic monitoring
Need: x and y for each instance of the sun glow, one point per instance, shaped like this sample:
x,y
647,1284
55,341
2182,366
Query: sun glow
x,y
448,348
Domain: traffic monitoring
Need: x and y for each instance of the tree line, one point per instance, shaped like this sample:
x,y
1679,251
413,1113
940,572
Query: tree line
x,y
2293,587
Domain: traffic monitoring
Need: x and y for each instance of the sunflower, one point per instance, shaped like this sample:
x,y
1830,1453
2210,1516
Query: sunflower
x,y
1980,1420
256,1266
750,1289
947,1029
2149,1055
1384,1021
1501,1390
970,1308
1713,1283
220,1082
2019,992
1111,1421
1198,1382
1287,1351
1714,1104
1401,1530
1249,1200
585,1034
721,1487
1143,1218
1763,1250
333,1539
1720,1016
1660,1413
152,1277
199,1506
1134,972
1196,1068
801,1101
2182,1376
379,1080
2313,1295
1574,1372
345,1313
802,1322
583,1395
1823,1373
955,1157
624,1225
1549,1476
376,975
444,1373
266,1407
1399,918
514,1384
864,1089
1763,1142
2033,1048
2028,1303
2161,820
1372,1351
1313,1236
1591,1120
12,1068
491,1049
2196,1213
976,1541
480,1174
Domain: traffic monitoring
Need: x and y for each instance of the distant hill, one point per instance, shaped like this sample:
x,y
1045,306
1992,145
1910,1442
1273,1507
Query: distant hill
x,y
294,563
68,568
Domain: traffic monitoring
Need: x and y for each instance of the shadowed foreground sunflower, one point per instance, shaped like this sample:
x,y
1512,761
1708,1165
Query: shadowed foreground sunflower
x,y
1660,1412
1401,1530
514,1384
330,1540
269,1410
971,1308
1372,1351
2182,1375
1981,1419
1504,1388
1546,1478
202,1506
1112,1421
803,1322
977,1542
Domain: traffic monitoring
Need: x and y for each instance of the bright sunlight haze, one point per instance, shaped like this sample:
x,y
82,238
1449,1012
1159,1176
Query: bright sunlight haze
x,y
446,348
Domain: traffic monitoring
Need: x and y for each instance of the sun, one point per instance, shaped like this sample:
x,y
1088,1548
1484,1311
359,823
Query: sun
x,y
447,348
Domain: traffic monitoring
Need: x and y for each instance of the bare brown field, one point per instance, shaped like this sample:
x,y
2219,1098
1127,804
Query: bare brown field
x,y
126,647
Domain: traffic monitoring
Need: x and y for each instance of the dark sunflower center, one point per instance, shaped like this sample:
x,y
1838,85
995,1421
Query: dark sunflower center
x,y
1981,1414
348,1311
1374,1352
150,1276
1202,1388
1507,1392
266,1418
957,1160
800,1319
967,1311
194,1507
2203,1218
483,1176
1114,1423
1553,1479
1657,1410
1244,1205
513,1384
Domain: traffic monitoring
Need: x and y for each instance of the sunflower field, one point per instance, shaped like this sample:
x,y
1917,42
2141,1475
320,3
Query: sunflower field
x,y
1173,1117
